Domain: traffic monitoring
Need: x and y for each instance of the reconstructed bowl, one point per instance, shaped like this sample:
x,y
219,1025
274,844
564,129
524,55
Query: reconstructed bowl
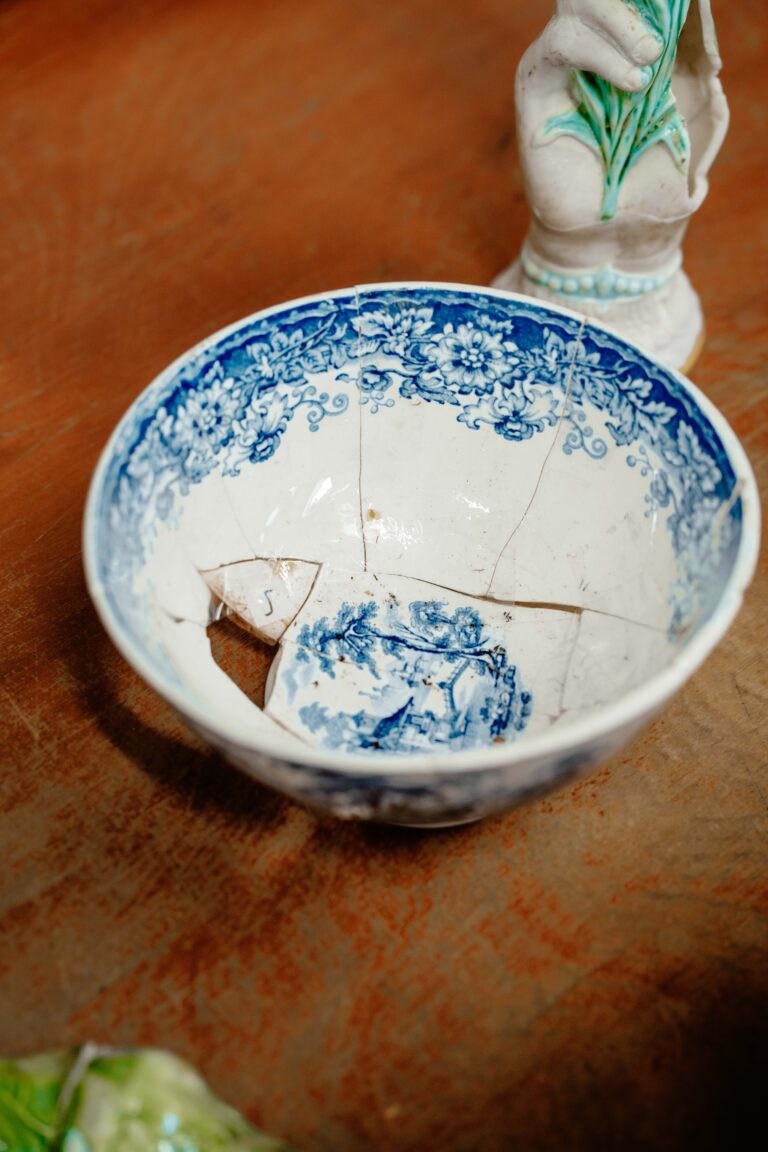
x,y
488,539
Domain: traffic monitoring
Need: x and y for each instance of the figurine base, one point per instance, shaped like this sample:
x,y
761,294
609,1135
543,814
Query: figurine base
x,y
667,323
692,360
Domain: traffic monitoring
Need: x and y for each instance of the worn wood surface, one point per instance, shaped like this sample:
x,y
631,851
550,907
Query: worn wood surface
x,y
588,972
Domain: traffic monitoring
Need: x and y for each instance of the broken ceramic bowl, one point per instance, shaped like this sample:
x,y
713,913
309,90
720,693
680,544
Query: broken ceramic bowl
x,y
486,539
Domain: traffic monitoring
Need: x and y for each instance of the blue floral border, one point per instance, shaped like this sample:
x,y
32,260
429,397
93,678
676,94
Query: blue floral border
x,y
500,363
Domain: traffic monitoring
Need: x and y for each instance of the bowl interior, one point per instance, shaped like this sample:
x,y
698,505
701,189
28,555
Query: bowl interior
x,y
461,517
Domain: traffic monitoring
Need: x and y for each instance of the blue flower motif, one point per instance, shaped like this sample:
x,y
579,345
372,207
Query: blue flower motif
x,y
394,331
258,433
195,428
470,358
206,418
514,413
374,383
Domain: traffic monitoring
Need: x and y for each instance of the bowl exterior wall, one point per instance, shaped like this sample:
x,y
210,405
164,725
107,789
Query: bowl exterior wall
x,y
434,799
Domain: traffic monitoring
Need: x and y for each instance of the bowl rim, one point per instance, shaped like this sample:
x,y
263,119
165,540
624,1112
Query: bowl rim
x,y
629,710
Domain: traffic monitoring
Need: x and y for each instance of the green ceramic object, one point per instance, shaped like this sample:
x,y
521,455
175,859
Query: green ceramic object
x,y
142,1101
29,1100
621,126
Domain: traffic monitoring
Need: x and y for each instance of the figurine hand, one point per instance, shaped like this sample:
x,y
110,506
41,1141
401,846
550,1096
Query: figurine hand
x,y
566,179
607,37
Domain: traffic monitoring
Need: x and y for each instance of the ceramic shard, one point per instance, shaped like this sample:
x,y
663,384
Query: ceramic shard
x,y
300,394
460,406
595,533
702,565
208,525
392,664
189,651
263,595
172,582
610,658
568,360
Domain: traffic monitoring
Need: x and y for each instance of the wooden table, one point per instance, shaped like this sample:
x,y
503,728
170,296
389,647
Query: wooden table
x,y
590,972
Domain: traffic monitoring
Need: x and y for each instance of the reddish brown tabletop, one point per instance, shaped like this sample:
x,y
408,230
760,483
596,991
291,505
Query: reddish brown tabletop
x,y
589,972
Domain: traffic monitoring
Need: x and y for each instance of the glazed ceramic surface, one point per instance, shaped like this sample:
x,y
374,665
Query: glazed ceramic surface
x,y
487,538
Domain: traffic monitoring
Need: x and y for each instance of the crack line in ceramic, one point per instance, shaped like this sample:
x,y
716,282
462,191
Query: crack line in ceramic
x,y
233,404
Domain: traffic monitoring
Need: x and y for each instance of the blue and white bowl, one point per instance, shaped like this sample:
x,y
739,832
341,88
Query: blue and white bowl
x,y
488,538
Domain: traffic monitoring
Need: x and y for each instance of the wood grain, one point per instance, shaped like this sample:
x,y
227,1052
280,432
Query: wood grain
x,y
588,972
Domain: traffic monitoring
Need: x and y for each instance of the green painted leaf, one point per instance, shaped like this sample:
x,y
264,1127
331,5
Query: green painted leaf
x,y
654,13
622,126
571,124
590,91
672,132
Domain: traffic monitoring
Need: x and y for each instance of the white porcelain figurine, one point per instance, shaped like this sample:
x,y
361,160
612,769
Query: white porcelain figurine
x,y
620,115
